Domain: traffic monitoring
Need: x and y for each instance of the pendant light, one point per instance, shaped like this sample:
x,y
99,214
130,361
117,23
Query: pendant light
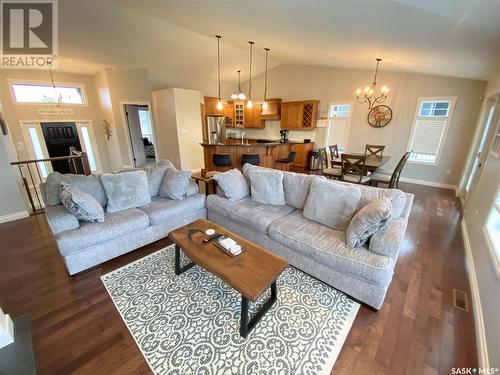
x,y
239,94
220,106
265,106
249,102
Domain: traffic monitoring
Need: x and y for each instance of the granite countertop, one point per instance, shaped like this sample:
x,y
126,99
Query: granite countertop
x,y
266,144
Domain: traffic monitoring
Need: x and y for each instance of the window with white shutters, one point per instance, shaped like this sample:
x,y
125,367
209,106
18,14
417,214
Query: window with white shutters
x,y
429,129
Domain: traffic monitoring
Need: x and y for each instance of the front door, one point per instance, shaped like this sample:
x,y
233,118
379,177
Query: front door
x,y
59,137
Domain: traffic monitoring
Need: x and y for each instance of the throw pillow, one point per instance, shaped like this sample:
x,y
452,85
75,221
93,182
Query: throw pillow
x,y
126,190
155,177
331,204
233,184
166,163
367,221
174,184
267,186
82,205
88,184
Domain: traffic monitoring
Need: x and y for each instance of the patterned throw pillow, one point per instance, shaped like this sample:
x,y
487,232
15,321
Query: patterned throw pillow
x,y
82,205
367,221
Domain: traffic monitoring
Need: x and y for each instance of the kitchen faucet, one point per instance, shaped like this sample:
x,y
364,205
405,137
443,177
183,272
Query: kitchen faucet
x,y
242,137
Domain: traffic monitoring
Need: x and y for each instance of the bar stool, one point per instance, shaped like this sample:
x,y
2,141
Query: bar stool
x,y
222,161
285,163
250,158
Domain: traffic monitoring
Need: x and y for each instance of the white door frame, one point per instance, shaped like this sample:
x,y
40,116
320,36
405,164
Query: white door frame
x,y
127,129
78,123
485,151
327,132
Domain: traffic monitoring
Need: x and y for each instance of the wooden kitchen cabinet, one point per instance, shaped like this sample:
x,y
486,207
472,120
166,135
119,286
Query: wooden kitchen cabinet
x,y
273,112
252,117
299,115
228,113
303,153
211,106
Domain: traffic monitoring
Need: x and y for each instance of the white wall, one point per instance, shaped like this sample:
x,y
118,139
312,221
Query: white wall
x,y
477,210
188,115
126,87
12,206
296,82
177,118
14,113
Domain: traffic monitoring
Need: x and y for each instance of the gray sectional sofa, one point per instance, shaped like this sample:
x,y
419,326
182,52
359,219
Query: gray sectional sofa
x,y
84,244
364,273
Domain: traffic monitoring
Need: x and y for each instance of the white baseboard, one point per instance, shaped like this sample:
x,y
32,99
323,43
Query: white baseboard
x,y
428,183
482,347
14,216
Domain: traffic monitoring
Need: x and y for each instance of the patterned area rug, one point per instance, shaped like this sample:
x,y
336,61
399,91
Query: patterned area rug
x,y
189,324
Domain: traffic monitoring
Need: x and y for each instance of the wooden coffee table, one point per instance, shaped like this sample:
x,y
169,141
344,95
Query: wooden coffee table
x,y
250,273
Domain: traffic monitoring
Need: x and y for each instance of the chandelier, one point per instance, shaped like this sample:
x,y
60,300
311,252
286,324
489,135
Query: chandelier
x,y
369,93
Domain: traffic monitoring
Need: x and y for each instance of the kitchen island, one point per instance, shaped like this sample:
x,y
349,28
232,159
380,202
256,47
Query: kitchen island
x,y
268,152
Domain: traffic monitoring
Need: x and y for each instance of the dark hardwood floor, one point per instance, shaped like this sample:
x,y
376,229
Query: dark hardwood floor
x,y
76,328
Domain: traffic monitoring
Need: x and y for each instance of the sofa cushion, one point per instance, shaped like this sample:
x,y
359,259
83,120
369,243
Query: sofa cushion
x,y
161,210
233,184
126,190
370,193
155,177
267,186
89,184
368,221
89,234
331,204
174,184
295,185
60,219
327,246
84,206
254,215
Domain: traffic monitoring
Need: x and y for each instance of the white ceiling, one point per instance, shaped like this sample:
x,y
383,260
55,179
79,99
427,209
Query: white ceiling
x,y
174,38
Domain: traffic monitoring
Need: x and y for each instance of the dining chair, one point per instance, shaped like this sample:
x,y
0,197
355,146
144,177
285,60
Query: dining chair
x,y
334,173
353,169
284,163
393,179
375,150
334,154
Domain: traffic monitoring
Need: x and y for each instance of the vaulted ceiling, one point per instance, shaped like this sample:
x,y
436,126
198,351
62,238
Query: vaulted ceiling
x,y
174,38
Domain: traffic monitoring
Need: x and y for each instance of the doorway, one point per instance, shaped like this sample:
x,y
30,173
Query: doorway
x,y
141,135
59,138
481,153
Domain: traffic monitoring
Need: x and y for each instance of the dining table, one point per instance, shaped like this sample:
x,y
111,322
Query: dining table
x,y
373,162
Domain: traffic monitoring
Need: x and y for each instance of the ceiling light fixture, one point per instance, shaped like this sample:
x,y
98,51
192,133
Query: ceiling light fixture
x,y
220,106
265,106
249,102
239,94
369,92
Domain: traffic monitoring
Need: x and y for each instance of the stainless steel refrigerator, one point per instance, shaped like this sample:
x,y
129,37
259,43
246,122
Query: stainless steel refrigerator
x,y
216,129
